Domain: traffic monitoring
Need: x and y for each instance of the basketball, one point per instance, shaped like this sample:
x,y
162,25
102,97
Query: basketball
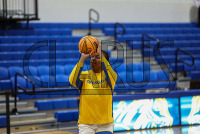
x,y
87,44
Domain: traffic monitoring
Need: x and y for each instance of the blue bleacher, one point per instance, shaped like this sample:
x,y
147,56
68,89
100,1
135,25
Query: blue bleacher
x,y
35,39
56,104
157,30
138,37
69,68
172,51
4,73
40,31
60,55
9,47
153,76
36,85
163,75
38,55
58,69
32,69
108,25
65,116
43,70
20,81
13,47
3,121
194,75
138,76
188,67
62,80
50,94
133,67
48,81
142,86
15,69
171,59
176,43
157,79
5,82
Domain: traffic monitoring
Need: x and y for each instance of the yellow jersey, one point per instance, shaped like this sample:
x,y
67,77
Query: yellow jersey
x,y
96,93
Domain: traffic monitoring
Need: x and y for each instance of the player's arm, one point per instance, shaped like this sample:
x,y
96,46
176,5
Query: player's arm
x,y
76,72
111,75
74,76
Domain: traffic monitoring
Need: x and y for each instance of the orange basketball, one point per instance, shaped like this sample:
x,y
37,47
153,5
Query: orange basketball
x,y
88,44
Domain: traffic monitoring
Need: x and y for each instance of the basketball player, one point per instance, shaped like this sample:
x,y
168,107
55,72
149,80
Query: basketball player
x,y
95,86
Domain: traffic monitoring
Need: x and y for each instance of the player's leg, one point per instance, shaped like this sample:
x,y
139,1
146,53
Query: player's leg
x,y
86,129
105,128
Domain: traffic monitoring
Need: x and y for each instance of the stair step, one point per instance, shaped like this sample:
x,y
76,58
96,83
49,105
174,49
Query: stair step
x,y
94,32
31,122
3,99
47,128
32,116
155,67
132,60
124,55
21,110
19,104
84,32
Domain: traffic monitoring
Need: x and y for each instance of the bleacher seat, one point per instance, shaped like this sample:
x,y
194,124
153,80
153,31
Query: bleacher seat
x,y
163,75
194,75
55,94
33,70
144,65
133,67
4,73
121,68
180,67
62,80
48,81
56,104
20,81
138,76
142,86
69,68
65,116
50,94
25,46
121,77
40,96
3,121
58,69
13,70
60,104
189,68
153,76
43,70
36,83
110,31
44,105
5,84
197,65
73,103
35,39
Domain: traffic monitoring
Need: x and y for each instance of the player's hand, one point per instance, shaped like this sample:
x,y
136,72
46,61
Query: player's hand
x,y
84,57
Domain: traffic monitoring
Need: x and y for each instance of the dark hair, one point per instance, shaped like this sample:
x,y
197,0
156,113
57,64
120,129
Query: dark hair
x,y
105,54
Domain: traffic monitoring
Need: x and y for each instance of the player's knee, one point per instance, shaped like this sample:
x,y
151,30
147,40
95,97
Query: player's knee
x,y
104,132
